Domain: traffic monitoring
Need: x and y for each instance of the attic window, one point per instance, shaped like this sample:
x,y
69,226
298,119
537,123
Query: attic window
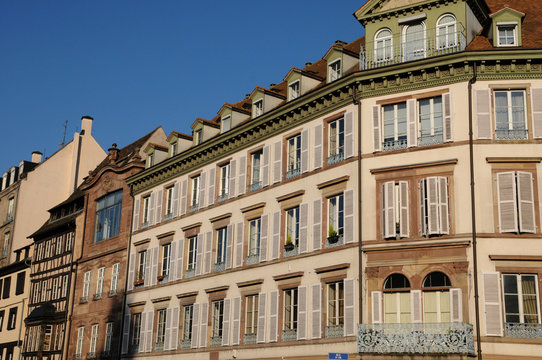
x,y
173,149
294,90
335,70
150,160
507,33
198,136
226,123
258,108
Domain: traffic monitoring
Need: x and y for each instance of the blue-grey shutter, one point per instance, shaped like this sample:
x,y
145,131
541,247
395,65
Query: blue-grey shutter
x,y
348,135
212,180
265,166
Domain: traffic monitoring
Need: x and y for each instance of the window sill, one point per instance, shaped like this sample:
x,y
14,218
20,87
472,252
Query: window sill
x,y
512,134
194,207
168,216
97,296
331,242
394,145
190,273
256,186
112,293
223,197
220,267
334,331
336,158
83,300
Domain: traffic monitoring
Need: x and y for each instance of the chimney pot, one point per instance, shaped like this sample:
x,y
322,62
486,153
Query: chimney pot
x,y
308,63
36,157
113,152
272,84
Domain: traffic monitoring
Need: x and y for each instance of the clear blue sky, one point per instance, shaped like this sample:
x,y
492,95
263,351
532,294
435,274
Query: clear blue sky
x,y
134,65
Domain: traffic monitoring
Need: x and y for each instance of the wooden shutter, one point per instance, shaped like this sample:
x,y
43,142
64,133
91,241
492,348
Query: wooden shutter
x,y
423,208
456,305
433,205
261,318
348,134
305,151
482,109
202,187
492,304
264,229
126,332
239,244
180,258
443,205
349,216
175,199
317,224
229,246
376,299
203,325
416,306
212,181
155,253
131,272
167,335
316,313
303,227
301,312
273,315
388,202
377,140
447,123
159,206
242,175
199,254
148,263
526,202
318,148
233,174
536,104
226,323
151,208
208,252
349,307
142,332
506,191
277,162
236,321
265,166
403,213
135,225
412,123
172,260
195,327
174,340
275,246
148,338
184,191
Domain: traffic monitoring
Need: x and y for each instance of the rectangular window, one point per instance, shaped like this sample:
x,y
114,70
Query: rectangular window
x,y
44,290
65,283
335,219
47,337
218,319
173,149
521,298
5,248
47,249
36,293
194,202
150,160
221,241
516,205
20,283
188,314
430,123
145,215
335,70
226,123
336,141
11,207
434,212
397,307
192,253
108,337
169,203
251,318
292,226
108,212
69,240
290,310
293,165
136,330
507,34
86,286
2,314
12,319
55,289
80,339
100,283
142,257
294,90
335,304
254,240
258,108
198,134
93,340
394,124
166,256
160,329
510,114
224,184
7,286
256,178
436,306
395,209
114,279
59,245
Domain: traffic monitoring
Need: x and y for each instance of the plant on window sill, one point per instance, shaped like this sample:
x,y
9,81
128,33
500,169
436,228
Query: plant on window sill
x,y
289,245
160,277
139,282
333,237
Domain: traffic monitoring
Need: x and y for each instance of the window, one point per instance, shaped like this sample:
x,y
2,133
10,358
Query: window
x,y
86,286
290,314
217,321
36,293
507,34
294,90
2,313
80,338
434,211
169,203
12,319
335,70
7,286
436,298
93,340
254,241
515,194
221,243
223,186
258,108
47,337
414,42
160,329
188,315
192,253
55,289
100,283
47,249
150,160
114,279
194,202
336,141
142,257
336,217
256,178
430,125
11,207
292,226
108,211
20,283
59,244
198,135
108,337
520,298
383,46
226,123
173,149
146,211
43,290
510,115
69,239
394,120
166,257
136,330
395,209
397,299
251,318
65,283
5,249
335,309
294,157
446,32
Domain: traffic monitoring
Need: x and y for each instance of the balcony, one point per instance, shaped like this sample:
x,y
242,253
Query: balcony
x,y
97,296
257,185
253,259
159,346
223,197
416,338
389,145
523,330
334,331
293,172
335,158
520,134
291,252
221,266
289,335
186,344
430,140
422,47
250,338
144,225
168,216
216,341
334,241
83,299
112,293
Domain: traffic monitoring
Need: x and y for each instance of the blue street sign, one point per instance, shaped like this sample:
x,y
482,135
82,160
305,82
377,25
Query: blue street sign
x,y
337,356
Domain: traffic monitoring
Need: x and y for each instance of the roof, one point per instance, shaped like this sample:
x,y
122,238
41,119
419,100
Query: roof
x,y
55,225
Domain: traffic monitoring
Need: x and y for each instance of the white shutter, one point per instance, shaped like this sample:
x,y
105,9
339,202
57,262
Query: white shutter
x,y
148,268
172,260
443,205
203,325
199,254
303,228
135,225
142,332
264,230
131,272
184,191
377,136
154,275
536,104
159,206
195,327
456,305
229,246
174,339
388,201
148,338
126,332
376,298
305,151
261,317
180,258
348,134
447,110
265,166
403,211
318,148
482,109
233,175
151,208
202,188
492,304
506,191
208,252
412,123
175,199
433,204
277,162
349,307
212,181
349,216
226,323
526,202
317,224
316,313
167,335
423,208
301,312
416,306
236,321
273,315
239,244
275,245
242,175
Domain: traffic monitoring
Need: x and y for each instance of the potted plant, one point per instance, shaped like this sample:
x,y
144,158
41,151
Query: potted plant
x,y
139,282
289,245
332,237
160,277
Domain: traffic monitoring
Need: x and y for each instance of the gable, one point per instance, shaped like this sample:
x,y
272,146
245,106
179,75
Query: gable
x,y
390,5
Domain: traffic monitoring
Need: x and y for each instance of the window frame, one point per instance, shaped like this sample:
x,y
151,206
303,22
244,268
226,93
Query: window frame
x,y
94,338
146,210
290,309
334,69
293,156
100,283
251,314
195,183
221,241
293,212
433,117
109,222
392,291
225,123
256,158
80,341
168,213
254,243
414,55
335,137
191,253
383,40
520,299
507,25
160,327
444,27
187,322
258,108
335,214
12,318
337,318
165,260
217,318
142,258
294,89
224,181
135,330
510,114
108,337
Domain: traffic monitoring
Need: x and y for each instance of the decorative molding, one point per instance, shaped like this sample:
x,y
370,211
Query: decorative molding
x,y
290,195
161,299
169,233
413,166
252,207
136,304
326,269
249,283
220,217
191,226
503,160
217,289
515,258
333,182
187,295
141,242
288,276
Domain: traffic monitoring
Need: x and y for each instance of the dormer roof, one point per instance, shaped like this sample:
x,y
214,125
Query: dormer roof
x,y
506,9
341,47
199,120
153,146
317,71
239,107
179,135
279,93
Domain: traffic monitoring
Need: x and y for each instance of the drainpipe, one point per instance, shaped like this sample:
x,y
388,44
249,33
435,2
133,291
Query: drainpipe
x,y
473,219
19,345
357,102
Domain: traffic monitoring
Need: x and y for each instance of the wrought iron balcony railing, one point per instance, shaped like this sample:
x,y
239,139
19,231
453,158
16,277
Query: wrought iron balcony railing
x,y
289,334
250,338
293,172
168,216
430,140
523,330
190,273
186,343
253,259
223,197
389,145
334,331
216,341
194,207
293,252
511,134
159,346
257,185
335,158
221,266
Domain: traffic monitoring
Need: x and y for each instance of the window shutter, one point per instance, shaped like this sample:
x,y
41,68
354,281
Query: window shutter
x,y
236,328
155,252
159,206
506,186
526,202
203,325
305,150
448,117
433,204
376,298
233,174
180,258
229,246
261,318
349,308
275,246
167,335
131,272
208,252
273,315
172,259
142,332
148,338
212,181
412,123
202,186
403,214
492,304
184,191
318,148
423,209
226,323
456,305
148,263
199,254
242,174
316,318
135,225
536,104
175,200
277,162
482,105
348,134
443,205
302,312
416,306
174,339
388,201
239,244
349,216
151,208
317,224
377,141
265,166
195,327
126,332
303,227
263,237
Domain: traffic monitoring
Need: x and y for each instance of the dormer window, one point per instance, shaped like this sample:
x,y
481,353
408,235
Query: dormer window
x,y
446,32
226,124
150,160
414,41
173,149
335,70
258,108
198,135
294,90
383,45
507,34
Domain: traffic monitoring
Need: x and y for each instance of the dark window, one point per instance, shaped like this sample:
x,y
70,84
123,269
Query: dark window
x,y
7,285
436,279
12,318
108,211
20,283
396,281
2,312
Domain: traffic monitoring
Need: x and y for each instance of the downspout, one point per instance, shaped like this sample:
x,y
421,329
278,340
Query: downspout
x,y
360,237
473,219
19,342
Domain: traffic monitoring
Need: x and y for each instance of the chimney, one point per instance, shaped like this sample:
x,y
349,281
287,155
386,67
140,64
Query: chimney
x,y
86,125
36,157
113,152
308,64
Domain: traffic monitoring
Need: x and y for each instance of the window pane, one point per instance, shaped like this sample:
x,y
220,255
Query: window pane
x,y
518,110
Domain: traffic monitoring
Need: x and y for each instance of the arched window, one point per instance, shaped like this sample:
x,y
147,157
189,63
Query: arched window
x,y
446,32
414,42
383,45
436,298
397,299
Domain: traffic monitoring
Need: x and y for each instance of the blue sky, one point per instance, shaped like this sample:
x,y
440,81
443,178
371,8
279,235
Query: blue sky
x,y
135,65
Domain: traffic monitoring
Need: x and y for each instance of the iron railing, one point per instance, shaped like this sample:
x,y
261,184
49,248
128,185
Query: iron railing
x,y
523,330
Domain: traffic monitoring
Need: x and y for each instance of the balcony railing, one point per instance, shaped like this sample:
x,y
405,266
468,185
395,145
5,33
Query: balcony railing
x,y
190,273
335,158
289,334
293,252
112,292
168,216
221,266
425,45
144,225
257,185
97,296
511,134
334,331
418,338
430,140
91,355
186,343
159,346
83,299
216,341
293,172
194,207
250,338
253,259
389,145
523,330
223,197
331,244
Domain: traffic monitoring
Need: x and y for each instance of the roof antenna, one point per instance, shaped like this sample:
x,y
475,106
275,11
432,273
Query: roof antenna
x,y
64,137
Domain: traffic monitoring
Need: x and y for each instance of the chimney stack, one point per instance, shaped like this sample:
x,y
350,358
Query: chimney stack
x,y
113,152
86,125
36,157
